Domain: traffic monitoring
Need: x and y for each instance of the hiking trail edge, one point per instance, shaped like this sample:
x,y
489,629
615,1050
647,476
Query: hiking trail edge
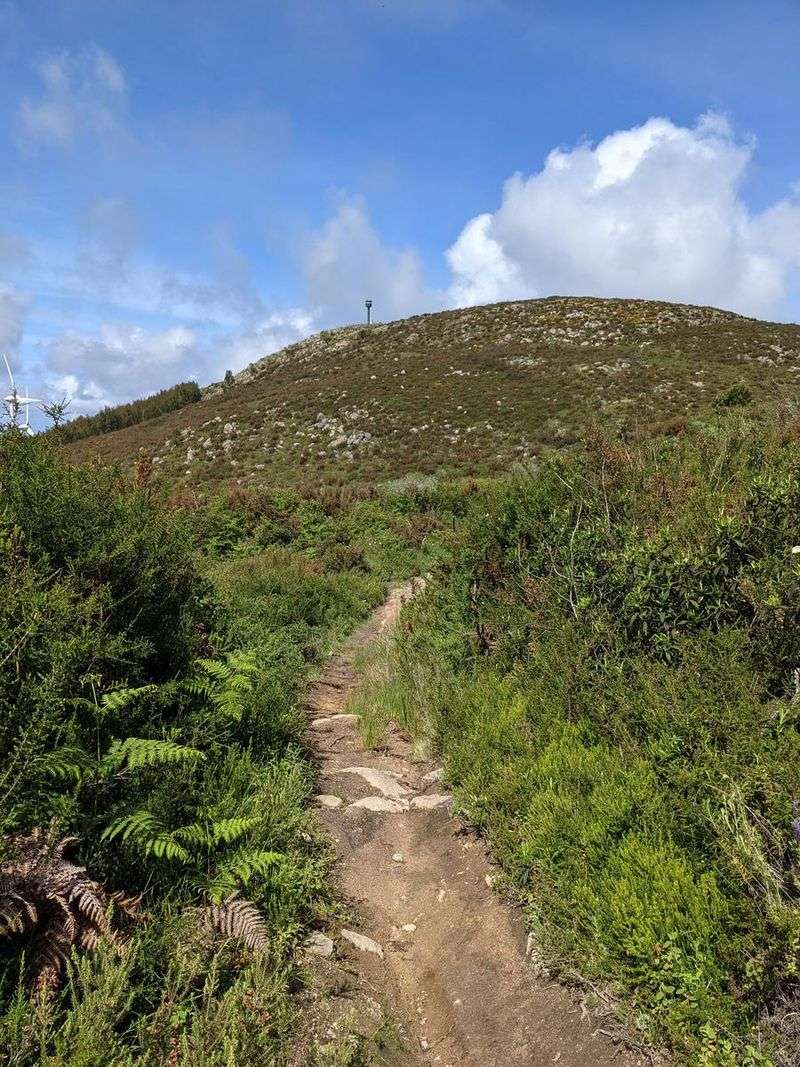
x,y
428,942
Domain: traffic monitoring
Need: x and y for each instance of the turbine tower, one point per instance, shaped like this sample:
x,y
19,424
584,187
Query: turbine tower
x,y
14,402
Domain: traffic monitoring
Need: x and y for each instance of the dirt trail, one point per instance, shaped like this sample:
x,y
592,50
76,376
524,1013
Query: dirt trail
x,y
445,956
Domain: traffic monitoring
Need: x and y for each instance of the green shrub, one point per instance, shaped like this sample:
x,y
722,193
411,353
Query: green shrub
x,y
152,711
734,397
607,667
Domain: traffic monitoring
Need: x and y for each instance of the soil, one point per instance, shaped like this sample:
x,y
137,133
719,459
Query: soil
x,y
446,960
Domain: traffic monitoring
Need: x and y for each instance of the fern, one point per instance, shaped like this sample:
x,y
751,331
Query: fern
x,y
237,918
139,752
225,685
69,763
239,870
54,905
74,764
119,699
230,830
115,700
149,835
210,834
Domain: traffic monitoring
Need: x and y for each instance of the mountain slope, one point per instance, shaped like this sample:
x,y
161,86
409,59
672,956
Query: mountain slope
x,y
465,392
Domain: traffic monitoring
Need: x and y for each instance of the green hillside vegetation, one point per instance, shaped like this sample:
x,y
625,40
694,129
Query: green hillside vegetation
x,y
465,392
608,667
158,863
121,415
606,497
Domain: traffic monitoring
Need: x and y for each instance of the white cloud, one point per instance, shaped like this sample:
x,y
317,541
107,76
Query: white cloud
x,y
262,337
345,263
482,270
119,361
108,276
13,307
110,233
654,211
83,96
87,337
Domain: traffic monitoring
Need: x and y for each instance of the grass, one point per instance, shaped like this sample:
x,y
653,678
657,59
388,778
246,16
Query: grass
x,y
461,393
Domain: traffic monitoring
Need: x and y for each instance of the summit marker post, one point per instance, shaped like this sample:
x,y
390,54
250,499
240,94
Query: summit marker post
x,y
368,306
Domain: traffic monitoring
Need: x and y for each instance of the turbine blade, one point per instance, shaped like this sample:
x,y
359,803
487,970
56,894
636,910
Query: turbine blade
x,y
11,376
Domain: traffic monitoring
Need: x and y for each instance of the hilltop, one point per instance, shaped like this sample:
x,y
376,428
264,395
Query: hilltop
x,y
462,392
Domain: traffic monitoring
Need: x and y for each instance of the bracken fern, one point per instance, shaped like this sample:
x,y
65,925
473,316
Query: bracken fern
x,y
53,905
238,918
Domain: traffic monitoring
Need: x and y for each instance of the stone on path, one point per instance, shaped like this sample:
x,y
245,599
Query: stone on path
x,y
433,776
362,943
319,945
327,722
398,857
384,781
328,800
433,800
384,804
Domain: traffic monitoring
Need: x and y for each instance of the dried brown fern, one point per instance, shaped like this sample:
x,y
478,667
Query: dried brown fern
x,y
53,905
238,918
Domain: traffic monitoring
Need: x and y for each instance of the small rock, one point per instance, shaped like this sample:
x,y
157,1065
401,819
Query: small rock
x,y
319,945
433,800
384,781
535,958
363,943
321,724
409,928
384,804
489,881
328,800
433,776
344,720
398,857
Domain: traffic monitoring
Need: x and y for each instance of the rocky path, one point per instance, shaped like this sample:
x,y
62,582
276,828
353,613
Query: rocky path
x,y
429,940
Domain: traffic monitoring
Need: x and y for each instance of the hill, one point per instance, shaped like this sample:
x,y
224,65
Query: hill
x,y
462,392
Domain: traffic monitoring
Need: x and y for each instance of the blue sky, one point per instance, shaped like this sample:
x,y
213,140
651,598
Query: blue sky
x,y
187,186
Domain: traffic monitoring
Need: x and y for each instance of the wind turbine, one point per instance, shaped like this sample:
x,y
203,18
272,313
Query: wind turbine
x,y
14,402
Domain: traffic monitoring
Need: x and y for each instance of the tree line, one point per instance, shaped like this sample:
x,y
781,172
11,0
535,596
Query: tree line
x,y
122,415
